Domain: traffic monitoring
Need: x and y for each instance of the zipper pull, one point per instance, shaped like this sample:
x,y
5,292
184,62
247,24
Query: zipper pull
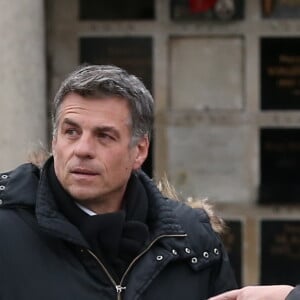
x,y
120,288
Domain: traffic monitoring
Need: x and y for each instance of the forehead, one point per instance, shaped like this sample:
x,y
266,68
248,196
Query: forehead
x,y
108,109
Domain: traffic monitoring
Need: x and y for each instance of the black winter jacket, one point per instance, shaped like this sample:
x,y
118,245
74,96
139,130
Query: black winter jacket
x,y
44,256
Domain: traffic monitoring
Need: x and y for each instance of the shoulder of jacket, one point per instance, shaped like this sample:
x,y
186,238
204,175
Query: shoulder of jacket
x,y
201,236
206,207
196,218
188,214
18,186
22,169
200,207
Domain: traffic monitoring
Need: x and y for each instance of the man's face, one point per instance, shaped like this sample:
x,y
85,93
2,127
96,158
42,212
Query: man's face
x,y
93,158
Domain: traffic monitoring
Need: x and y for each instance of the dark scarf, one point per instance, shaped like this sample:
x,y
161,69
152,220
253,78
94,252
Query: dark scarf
x,y
116,237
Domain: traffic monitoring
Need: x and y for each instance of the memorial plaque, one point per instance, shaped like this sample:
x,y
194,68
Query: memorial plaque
x,y
233,241
131,54
279,165
116,10
207,10
280,9
280,252
280,73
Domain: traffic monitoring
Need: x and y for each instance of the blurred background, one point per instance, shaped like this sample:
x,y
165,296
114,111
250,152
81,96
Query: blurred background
x,y
225,75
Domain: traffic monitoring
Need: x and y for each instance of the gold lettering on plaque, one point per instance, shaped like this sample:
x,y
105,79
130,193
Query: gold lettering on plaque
x,y
287,242
286,72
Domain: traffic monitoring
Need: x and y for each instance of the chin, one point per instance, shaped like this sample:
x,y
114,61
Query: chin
x,y
82,194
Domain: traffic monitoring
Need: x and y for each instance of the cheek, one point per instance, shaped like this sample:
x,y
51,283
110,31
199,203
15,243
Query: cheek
x,y
60,156
57,147
60,148
121,159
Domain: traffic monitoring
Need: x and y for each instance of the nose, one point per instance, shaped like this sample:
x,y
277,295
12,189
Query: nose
x,y
85,147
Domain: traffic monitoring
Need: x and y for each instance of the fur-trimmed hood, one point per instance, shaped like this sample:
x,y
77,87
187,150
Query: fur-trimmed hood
x,y
169,191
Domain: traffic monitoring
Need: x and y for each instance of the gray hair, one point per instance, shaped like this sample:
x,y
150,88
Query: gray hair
x,y
103,81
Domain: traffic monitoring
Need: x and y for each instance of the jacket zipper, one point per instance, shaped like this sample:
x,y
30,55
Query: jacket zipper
x,y
119,287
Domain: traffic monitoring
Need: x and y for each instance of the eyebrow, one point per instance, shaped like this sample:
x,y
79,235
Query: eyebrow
x,y
68,121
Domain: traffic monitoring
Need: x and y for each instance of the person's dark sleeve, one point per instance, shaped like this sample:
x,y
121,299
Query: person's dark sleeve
x,y
294,294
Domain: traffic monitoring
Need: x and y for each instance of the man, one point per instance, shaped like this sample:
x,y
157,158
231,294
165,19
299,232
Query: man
x,y
274,292
90,224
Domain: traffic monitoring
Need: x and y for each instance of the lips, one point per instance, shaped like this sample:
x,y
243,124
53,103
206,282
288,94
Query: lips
x,y
84,171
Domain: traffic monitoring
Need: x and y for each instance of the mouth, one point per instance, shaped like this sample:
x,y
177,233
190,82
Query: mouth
x,y
83,172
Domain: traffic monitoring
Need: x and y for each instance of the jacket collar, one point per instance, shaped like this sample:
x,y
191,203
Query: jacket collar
x,y
27,186
161,217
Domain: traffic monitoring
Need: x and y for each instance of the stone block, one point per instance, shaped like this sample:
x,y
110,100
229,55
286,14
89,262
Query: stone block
x,y
206,73
211,161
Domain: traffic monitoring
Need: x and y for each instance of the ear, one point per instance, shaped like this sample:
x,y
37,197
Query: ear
x,y
141,154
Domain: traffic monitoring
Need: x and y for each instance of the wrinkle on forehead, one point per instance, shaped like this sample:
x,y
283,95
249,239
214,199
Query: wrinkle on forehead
x,y
89,108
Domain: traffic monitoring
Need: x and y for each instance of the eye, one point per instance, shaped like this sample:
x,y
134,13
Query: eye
x,y
72,132
106,136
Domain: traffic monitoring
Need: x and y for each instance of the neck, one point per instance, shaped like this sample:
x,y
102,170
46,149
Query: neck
x,y
107,203
100,207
